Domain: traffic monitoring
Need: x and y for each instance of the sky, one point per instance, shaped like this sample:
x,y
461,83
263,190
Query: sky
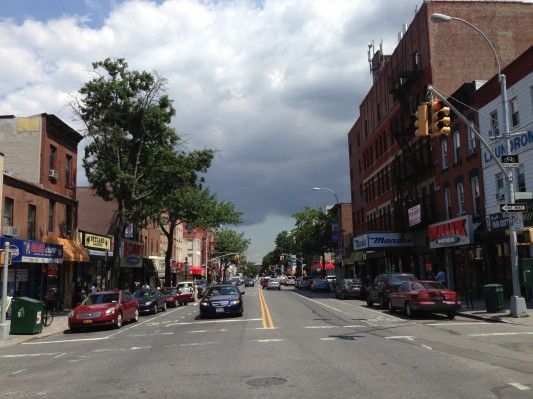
x,y
273,86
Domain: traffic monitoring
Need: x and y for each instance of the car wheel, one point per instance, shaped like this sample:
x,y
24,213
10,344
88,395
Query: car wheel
x,y
343,296
391,308
383,302
410,313
118,323
451,315
154,310
369,302
279,288
136,315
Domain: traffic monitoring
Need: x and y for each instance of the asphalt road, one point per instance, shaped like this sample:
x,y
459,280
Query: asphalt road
x,y
288,343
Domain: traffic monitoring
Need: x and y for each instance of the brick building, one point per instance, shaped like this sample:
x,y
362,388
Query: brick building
x,y
397,185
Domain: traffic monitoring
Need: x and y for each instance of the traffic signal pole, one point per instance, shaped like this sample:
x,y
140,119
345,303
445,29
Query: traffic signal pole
x,y
518,303
4,331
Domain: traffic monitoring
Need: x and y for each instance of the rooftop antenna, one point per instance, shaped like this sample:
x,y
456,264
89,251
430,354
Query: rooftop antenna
x,y
370,54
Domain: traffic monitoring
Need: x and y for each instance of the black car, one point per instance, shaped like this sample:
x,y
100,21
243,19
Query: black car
x,y
383,284
349,288
150,300
223,299
249,282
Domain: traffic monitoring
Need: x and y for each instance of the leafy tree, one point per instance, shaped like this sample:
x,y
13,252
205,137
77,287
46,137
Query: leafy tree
x,y
127,114
249,269
228,241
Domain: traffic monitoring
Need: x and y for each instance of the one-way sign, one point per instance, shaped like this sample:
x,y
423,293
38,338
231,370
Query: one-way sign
x,y
513,207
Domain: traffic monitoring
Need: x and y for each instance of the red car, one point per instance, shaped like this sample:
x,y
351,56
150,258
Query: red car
x,y
172,297
424,296
107,308
185,294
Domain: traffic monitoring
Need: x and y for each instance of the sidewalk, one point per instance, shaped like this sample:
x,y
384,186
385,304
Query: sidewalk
x,y
59,325
479,312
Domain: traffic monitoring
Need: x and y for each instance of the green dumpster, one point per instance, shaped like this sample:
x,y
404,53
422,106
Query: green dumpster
x,y
494,300
26,316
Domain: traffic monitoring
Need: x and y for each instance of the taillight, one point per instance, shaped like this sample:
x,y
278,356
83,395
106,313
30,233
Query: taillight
x,y
451,296
423,296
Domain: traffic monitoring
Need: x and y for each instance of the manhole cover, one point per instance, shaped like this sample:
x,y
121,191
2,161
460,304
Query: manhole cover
x,y
266,381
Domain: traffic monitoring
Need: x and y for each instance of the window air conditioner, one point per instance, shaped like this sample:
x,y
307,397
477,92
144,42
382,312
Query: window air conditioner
x,y
52,173
12,231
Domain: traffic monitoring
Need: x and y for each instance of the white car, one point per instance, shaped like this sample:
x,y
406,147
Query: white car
x,y
291,280
273,283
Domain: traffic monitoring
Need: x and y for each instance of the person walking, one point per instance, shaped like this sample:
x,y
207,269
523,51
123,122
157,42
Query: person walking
x,y
441,277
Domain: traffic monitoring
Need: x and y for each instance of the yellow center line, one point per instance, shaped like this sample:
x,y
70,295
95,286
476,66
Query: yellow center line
x,y
265,312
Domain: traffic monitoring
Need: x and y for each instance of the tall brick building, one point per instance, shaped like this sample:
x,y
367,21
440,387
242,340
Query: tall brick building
x,y
397,181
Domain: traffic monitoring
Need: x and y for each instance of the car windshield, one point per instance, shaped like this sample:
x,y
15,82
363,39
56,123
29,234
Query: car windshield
x,y
215,291
428,285
398,279
167,291
144,294
185,289
97,299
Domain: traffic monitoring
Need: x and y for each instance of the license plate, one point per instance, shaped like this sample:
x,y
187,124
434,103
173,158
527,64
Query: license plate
x,y
87,321
219,310
438,298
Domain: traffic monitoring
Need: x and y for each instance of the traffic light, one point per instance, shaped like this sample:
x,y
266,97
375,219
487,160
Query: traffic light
x,y
440,120
282,258
421,123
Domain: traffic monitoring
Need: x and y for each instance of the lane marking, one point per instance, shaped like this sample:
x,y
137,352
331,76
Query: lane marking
x,y
327,339
60,355
321,304
464,323
17,372
199,344
519,386
407,337
501,334
196,331
265,311
354,326
270,340
28,355
188,323
321,327
426,346
59,341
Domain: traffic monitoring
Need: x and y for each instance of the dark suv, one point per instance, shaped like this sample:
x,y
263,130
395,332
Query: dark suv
x,y
379,290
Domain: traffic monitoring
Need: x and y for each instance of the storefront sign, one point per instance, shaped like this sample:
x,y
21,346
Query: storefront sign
x,y
383,240
131,253
29,251
415,215
53,271
518,144
451,233
96,241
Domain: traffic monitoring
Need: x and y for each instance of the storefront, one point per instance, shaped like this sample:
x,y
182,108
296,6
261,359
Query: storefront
x,y
35,270
453,244
97,271
155,272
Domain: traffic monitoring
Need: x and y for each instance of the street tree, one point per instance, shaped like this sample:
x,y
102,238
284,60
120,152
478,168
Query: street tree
x,y
228,241
127,116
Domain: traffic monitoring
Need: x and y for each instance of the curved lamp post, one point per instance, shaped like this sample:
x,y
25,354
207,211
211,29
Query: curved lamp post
x,y
518,303
339,242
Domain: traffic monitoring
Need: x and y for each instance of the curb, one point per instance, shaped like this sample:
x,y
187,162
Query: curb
x,y
59,325
504,318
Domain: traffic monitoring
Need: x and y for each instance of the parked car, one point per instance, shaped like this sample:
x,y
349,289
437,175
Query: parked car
x,y
291,280
349,288
303,282
185,295
383,285
249,282
264,281
106,308
171,296
273,283
320,284
222,299
150,300
424,296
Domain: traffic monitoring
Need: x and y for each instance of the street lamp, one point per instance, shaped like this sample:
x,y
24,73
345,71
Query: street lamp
x,y
339,242
518,303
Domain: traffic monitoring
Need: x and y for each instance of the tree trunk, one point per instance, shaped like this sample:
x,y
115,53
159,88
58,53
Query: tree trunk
x,y
168,253
115,264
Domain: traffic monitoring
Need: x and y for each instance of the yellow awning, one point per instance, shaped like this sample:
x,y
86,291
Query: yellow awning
x,y
73,251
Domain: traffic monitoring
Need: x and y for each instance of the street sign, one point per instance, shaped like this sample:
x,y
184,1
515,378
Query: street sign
x,y
510,161
516,221
513,207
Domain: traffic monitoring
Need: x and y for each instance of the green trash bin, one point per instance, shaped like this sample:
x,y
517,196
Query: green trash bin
x,y
26,316
494,300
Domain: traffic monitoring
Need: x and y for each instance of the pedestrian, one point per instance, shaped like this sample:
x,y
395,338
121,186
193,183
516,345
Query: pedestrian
x,y
441,276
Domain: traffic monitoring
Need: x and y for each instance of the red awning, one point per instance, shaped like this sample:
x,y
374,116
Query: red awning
x,y
318,266
197,270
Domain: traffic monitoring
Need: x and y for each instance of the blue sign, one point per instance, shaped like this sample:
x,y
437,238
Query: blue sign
x,y
518,143
29,251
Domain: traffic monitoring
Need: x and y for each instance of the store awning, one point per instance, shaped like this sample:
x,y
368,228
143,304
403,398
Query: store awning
x,y
159,264
318,266
73,251
197,270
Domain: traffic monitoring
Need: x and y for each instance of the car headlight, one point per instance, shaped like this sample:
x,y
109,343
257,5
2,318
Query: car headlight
x,y
204,303
237,302
110,311
148,303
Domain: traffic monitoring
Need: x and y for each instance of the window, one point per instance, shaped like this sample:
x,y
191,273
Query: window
x,y
447,203
457,147
474,186
51,214
444,153
68,170
52,159
494,128
9,206
471,140
521,179
68,219
513,109
500,192
460,198
32,211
